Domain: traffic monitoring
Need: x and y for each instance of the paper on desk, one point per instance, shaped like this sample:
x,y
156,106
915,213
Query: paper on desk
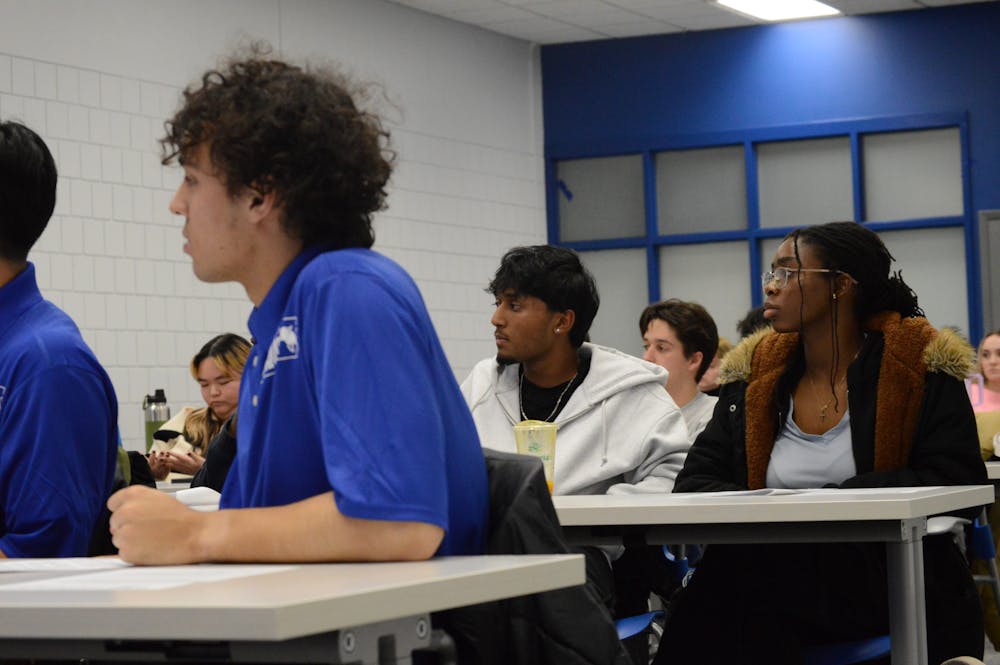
x,y
832,491
199,498
68,564
145,578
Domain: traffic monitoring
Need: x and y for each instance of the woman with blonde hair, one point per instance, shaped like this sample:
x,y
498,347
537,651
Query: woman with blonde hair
x,y
217,368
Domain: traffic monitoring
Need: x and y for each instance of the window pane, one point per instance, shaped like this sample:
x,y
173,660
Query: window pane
x,y
989,267
913,174
768,248
715,275
622,284
804,182
701,190
600,198
933,264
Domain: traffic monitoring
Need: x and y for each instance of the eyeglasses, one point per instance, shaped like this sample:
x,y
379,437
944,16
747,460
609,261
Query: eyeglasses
x,y
780,275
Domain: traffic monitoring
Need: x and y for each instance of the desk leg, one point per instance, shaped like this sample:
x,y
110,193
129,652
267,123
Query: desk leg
x,y
907,610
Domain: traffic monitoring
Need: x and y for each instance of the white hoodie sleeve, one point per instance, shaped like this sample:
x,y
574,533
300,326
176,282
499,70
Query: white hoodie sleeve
x,y
665,449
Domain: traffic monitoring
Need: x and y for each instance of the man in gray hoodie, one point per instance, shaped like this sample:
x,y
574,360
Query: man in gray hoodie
x,y
619,430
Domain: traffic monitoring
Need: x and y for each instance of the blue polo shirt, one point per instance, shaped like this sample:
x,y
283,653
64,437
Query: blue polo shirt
x,y
58,427
348,389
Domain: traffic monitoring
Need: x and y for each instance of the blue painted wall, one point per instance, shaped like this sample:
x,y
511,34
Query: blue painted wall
x,y
633,94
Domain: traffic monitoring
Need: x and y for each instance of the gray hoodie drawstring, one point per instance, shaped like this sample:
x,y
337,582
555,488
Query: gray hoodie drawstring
x,y
604,433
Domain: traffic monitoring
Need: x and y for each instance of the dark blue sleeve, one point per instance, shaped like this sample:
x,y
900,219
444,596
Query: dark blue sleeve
x,y
59,435
381,422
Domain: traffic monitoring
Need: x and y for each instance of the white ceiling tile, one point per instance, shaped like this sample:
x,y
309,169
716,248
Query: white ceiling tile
x,y
713,21
445,7
487,15
872,6
644,4
671,12
573,15
557,21
568,7
640,29
944,3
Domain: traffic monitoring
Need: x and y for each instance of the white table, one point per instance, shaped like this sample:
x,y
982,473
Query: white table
x,y
340,613
993,470
895,516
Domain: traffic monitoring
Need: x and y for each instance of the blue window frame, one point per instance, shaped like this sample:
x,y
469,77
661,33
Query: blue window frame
x,y
854,130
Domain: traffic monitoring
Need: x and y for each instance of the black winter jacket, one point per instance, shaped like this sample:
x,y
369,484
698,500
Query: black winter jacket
x,y
945,449
563,627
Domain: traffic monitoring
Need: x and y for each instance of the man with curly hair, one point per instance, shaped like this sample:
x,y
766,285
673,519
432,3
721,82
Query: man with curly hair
x,y
344,452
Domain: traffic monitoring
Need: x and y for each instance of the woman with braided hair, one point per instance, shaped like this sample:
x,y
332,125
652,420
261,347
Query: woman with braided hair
x,y
851,387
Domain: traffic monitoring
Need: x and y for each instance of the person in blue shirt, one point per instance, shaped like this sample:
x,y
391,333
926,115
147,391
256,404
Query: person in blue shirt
x,y
354,440
58,411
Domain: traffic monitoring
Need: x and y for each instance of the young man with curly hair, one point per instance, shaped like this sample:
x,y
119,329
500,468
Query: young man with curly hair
x,y
344,452
58,411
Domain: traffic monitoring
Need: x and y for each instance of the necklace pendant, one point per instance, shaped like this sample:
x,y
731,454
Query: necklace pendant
x,y
822,413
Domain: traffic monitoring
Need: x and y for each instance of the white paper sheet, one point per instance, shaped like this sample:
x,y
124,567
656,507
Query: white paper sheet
x,y
68,564
145,578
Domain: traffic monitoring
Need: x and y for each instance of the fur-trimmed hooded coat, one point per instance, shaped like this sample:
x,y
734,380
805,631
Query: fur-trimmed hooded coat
x,y
911,420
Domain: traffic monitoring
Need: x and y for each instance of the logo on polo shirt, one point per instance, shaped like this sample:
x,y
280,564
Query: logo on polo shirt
x,y
284,346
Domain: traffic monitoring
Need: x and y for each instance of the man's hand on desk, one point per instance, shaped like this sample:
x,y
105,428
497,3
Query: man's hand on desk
x,y
153,528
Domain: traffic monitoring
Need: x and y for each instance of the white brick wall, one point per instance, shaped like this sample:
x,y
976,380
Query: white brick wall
x,y
463,107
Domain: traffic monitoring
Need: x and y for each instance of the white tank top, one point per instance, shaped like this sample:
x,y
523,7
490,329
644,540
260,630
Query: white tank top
x,y
800,460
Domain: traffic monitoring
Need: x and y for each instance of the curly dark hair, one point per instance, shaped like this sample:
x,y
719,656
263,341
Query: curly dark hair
x,y
557,277
294,131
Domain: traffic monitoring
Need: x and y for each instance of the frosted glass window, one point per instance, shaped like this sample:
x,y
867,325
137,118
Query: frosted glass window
x,y
911,175
600,198
804,182
701,190
768,248
989,266
933,264
623,286
715,275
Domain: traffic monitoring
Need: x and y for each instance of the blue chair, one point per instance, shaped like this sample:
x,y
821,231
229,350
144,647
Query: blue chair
x,y
631,626
639,623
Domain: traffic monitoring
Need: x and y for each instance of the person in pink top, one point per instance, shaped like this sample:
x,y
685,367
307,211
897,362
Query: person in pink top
x,y
987,397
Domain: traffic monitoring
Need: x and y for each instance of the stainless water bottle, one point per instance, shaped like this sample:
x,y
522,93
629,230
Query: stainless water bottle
x,y
157,412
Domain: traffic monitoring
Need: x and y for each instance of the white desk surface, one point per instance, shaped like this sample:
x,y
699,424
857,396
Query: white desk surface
x,y
831,505
305,600
993,470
